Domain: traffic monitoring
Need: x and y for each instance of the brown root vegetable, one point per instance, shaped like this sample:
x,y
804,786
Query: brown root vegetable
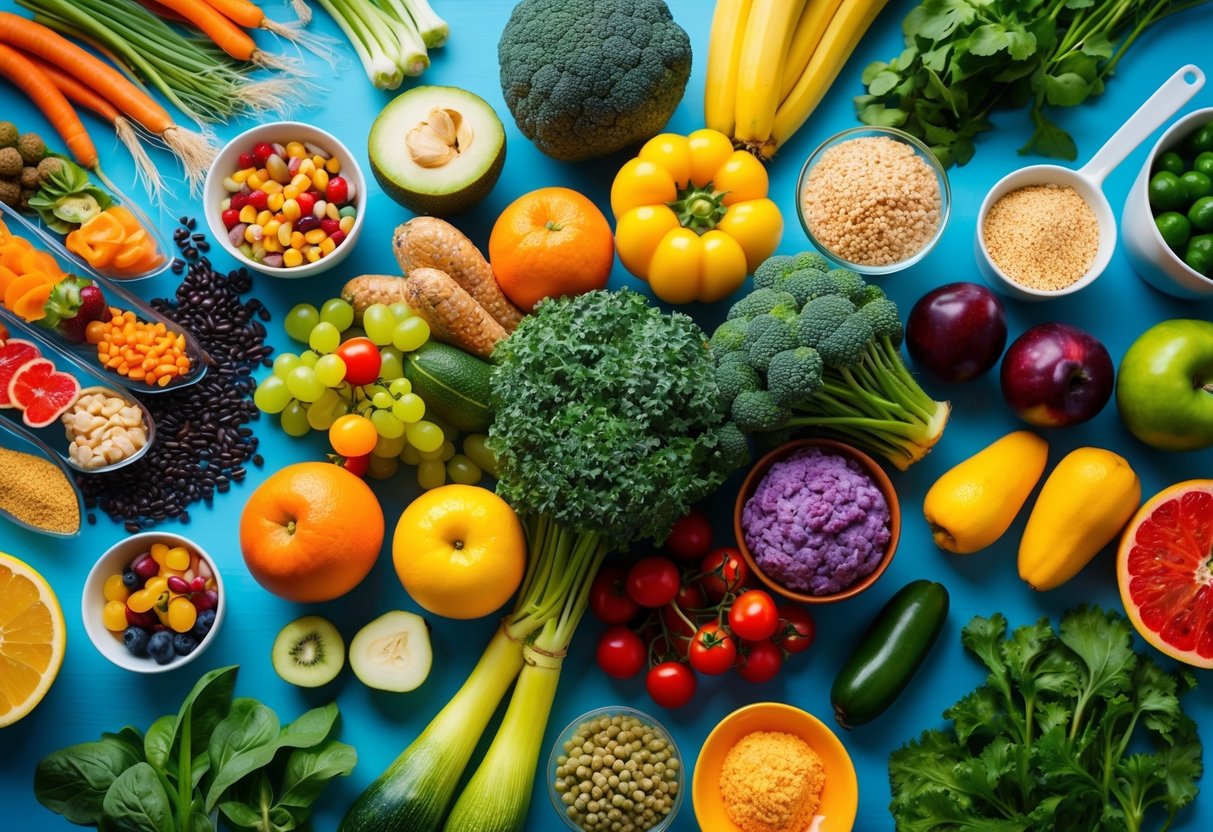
x,y
428,242
368,289
454,316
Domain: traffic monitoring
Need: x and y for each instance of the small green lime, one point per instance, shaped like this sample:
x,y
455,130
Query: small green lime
x,y
1196,184
1167,192
1201,140
1204,163
1199,261
1174,228
1202,244
1170,161
1201,214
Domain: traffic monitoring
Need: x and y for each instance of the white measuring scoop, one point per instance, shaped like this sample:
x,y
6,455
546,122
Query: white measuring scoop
x,y
1087,181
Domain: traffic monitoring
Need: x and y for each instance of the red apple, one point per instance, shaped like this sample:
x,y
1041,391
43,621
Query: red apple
x,y
1056,375
957,332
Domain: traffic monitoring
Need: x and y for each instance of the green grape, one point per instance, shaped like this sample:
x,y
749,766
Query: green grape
x,y
284,363
379,323
338,313
383,400
382,467
410,334
434,454
329,400
424,436
401,311
300,320
272,395
391,363
431,474
410,456
400,386
442,453
390,447
304,385
330,369
324,338
353,332
409,408
462,470
387,424
309,358
294,420
476,450
320,417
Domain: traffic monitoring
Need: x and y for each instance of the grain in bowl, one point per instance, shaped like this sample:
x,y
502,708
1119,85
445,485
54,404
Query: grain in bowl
x,y
771,781
1043,237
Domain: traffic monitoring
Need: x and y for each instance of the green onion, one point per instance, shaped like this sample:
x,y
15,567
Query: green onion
x,y
434,30
384,37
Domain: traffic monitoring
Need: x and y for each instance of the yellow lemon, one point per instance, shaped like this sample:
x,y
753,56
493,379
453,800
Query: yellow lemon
x,y
32,638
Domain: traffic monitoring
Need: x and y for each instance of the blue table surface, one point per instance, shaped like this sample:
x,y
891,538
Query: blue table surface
x,y
91,695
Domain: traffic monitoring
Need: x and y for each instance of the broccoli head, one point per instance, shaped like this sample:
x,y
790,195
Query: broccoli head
x,y
735,376
849,284
768,334
846,346
794,376
755,411
586,78
807,284
760,301
732,445
820,317
886,323
867,294
775,269
729,336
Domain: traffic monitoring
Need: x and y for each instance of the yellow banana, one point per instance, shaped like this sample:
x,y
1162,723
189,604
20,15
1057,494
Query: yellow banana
x,y
768,34
812,25
837,43
724,54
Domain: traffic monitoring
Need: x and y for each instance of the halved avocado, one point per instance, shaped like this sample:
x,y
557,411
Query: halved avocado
x,y
437,150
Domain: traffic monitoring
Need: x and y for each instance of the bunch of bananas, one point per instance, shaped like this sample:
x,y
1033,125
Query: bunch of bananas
x,y
770,63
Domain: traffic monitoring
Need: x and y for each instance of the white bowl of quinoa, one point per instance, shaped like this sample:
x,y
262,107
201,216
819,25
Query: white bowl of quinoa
x,y
873,199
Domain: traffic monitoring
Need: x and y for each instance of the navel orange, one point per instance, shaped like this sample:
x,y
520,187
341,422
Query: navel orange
x,y
32,638
311,532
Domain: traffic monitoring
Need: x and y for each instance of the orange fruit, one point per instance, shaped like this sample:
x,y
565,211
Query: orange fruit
x,y
311,532
459,551
33,636
1165,571
549,243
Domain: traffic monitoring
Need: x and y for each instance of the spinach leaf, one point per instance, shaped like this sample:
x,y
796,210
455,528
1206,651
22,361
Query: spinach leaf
x,y
309,770
310,728
245,741
158,742
137,802
206,705
73,781
240,814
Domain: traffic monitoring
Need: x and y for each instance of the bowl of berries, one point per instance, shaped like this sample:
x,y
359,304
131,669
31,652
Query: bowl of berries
x,y
153,602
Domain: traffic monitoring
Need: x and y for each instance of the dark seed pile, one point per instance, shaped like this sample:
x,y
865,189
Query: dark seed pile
x,y
203,437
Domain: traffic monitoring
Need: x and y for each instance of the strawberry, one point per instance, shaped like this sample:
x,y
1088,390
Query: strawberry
x,y
74,303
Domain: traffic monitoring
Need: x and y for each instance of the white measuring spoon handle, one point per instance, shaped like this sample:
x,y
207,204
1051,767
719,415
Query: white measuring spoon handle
x,y
1159,107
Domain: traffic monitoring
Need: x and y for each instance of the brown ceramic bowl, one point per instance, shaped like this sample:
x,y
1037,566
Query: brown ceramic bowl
x,y
869,466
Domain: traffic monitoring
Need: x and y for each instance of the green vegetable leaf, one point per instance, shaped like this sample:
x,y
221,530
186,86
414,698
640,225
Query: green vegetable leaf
x,y
1097,45
938,19
884,82
878,114
1066,90
311,728
158,742
206,705
69,182
73,781
1050,140
1104,645
993,38
980,713
240,814
137,802
244,742
872,70
308,770
1181,765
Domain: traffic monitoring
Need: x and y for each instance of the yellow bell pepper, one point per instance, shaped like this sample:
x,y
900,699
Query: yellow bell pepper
x,y
692,216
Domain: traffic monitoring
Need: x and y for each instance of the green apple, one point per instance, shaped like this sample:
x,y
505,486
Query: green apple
x,y
1164,390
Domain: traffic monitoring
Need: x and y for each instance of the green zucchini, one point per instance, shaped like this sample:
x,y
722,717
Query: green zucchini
x,y
890,652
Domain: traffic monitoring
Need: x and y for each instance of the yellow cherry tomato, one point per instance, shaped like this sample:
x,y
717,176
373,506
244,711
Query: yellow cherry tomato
x,y
692,216
353,435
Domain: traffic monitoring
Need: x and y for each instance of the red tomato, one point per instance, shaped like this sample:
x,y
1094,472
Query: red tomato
x,y
671,684
621,653
691,537
609,600
762,662
357,465
362,360
752,616
688,599
796,628
724,571
713,650
653,581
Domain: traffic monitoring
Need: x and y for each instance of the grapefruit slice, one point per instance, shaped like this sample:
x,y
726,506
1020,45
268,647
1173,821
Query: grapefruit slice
x,y
14,355
1165,571
42,392
32,638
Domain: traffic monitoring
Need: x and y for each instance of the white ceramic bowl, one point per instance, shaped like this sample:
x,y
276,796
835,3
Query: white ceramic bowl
x,y
92,602
1151,258
282,132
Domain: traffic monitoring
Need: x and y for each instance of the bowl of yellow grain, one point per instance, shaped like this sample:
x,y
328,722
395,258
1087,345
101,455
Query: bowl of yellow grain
x,y
770,766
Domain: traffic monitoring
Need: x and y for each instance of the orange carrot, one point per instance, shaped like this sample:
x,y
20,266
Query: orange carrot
x,y
54,105
227,35
75,90
247,14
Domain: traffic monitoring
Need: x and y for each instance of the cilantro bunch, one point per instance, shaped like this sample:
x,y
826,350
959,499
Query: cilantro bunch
x,y
1072,731
965,58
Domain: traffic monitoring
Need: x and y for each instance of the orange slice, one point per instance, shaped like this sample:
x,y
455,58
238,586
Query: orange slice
x,y
32,638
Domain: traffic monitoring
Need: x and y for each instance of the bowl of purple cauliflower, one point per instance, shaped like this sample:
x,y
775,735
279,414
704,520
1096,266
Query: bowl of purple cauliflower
x,y
817,520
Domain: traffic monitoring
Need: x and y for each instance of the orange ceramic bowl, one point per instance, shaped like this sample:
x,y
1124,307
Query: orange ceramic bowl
x,y
869,466
839,796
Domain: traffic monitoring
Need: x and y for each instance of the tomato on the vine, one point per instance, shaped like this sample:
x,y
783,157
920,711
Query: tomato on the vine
x,y
609,600
752,615
362,360
723,571
762,662
691,537
713,650
681,621
621,653
653,581
671,684
796,628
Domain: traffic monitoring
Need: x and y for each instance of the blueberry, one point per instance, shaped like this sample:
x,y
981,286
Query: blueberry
x,y
202,626
160,647
184,643
131,580
135,639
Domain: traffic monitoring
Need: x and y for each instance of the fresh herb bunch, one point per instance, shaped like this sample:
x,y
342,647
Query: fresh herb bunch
x,y
965,58
1052,739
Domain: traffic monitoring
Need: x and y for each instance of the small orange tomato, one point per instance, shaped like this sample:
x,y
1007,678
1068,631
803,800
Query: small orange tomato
x,y
353,435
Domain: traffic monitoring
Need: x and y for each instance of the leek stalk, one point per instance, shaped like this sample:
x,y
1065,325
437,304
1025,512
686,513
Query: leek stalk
x,y
434,30
384,36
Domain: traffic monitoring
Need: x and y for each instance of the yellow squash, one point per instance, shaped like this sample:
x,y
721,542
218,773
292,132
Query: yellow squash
x,y
972,505
1083,505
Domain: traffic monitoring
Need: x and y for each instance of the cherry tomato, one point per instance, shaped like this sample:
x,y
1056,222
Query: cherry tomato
x,y
653,581
691,537
752,616
688,599
362,360
609,600
796,628
353,435
762,662
713,650
724,571
621,653
357,465
671,684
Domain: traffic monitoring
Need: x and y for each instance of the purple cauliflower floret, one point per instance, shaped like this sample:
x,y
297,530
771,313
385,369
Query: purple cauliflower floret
x,y
817,523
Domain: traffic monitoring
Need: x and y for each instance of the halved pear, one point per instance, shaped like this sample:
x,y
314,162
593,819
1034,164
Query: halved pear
x,y
392,652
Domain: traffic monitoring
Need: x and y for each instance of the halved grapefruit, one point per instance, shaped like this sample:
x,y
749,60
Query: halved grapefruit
x,y
32,638
1165,571
42,392
14,355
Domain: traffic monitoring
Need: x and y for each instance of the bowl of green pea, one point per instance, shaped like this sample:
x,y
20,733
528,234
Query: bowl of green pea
x,y
1167,221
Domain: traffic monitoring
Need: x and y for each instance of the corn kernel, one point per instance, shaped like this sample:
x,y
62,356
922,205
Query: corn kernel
x,y
271,228
333,166
306,168
275,201
290,192
296,150
301,182
272,187
292,257
290,208
315,235
158,551
230,185
327,245
319,209
346,224
113,615
320,180
331,211
248,214
114,589
225,203
253,233
241,175
255,182
312,254
264,216
318,160
271,244
284,234
297,241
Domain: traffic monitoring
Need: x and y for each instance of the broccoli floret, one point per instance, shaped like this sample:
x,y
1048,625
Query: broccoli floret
x,y
846,346
867,294
756,410
734,377
759,302
585,78
886,323
794,376
849,284
806,284
820,317
810,260
771,271
729,336
769,334
732,445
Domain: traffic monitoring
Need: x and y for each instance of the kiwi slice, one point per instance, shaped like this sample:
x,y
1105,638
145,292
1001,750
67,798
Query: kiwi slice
x,y
308,652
